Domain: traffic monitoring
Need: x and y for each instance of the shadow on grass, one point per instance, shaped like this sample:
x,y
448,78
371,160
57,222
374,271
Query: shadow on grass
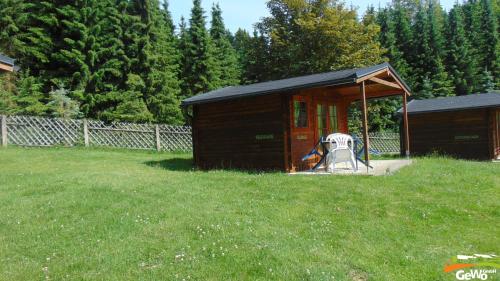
x,y
187,165
174,164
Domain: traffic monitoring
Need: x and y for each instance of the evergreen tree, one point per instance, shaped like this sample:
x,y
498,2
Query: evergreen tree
x,y
228,70
241,43
182,44
68,64
199,66
421,53
167,17
490,55
165,102
7,88
106,59
486,82
257,60
162,86
388,41
61,105
127,101
12,27
29,96
427,62
461,65
441,83
402,32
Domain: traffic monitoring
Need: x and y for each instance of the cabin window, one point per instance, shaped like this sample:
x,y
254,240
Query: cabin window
x,y
322,126
334,122
300,114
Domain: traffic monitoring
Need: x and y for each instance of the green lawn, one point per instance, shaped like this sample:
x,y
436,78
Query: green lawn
x,y
76,214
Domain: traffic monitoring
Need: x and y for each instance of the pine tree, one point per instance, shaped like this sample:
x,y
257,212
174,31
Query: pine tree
x,y
225,56
490,47
29,96
442,85
472,24
425,90
421,53
12,27
388,40
68,62
426,59
486,82
163,86
127,101
106,60
199,66
61,105
7,88
152,76
182,44
167,16
257,60
402,32
461,65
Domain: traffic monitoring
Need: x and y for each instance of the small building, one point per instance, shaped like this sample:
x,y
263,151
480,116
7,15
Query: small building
x,y
6,63
463,126
273,125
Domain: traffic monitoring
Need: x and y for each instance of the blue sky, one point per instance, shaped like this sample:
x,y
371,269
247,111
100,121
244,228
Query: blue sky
x,y
244,13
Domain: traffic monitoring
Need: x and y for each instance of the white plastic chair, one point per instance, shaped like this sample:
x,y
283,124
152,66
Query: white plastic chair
x,y
341,151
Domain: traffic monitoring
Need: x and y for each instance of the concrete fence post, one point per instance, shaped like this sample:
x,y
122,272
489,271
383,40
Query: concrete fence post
x,y
158,139
4,131
86,132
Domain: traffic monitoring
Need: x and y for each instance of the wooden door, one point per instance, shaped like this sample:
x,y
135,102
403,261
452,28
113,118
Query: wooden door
x,y
326,118
311,118
302,133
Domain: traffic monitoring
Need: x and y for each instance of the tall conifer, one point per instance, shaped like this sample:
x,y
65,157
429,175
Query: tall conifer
x,y
459,60
225,56
199,65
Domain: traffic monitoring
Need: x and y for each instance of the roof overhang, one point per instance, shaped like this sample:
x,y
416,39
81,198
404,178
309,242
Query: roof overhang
x,y
7,64
382,74
350,81
456,103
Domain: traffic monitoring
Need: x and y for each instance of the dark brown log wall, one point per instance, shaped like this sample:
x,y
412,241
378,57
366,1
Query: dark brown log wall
x,y
464,134
241,134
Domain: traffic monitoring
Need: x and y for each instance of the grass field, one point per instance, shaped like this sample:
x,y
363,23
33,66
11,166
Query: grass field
x,y
76,214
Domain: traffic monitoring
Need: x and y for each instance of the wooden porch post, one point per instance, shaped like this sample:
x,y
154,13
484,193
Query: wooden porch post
x,y
406,127
366,139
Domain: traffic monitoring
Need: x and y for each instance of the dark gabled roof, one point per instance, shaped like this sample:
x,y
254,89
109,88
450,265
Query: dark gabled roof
x,y
454,103
348,76
6,60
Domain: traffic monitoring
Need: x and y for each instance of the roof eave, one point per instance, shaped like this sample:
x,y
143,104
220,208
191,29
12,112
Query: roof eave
x,y
297,88
451,109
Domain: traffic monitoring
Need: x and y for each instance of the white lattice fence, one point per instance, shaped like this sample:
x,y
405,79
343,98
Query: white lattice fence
x,y
39,131
122,135
175,138
384,142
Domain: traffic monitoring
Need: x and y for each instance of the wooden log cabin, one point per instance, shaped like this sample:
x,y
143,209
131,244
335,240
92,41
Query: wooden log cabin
x,y
6,64
464,126
273,125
